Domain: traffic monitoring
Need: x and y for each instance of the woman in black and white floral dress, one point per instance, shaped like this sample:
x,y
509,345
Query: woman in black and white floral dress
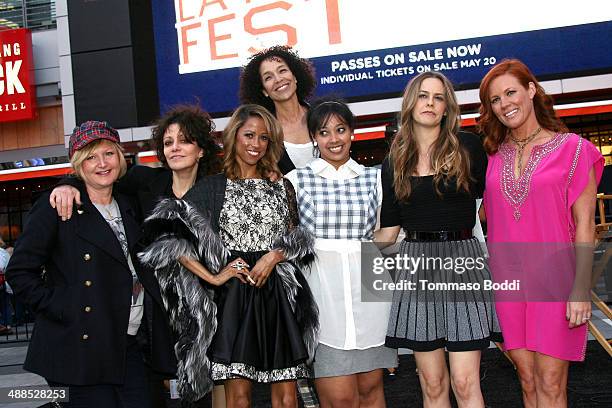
x,y
241,225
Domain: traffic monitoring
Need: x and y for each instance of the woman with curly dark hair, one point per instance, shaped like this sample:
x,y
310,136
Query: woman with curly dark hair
x,y
279,80
183,143
196,127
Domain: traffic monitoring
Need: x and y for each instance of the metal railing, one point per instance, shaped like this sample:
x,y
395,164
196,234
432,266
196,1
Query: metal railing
x,y
16,323
32,14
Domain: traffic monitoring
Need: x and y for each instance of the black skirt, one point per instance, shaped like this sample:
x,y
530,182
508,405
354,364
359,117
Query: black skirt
x,y
257,333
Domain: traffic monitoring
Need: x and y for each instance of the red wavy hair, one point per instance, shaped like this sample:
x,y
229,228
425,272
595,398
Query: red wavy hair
x,y
495,132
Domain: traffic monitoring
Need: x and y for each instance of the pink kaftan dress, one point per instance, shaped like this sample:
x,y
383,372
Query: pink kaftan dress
x,y
525,219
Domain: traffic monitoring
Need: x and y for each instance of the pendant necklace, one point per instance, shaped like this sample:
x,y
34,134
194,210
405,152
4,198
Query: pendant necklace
x,y
521,144
109,210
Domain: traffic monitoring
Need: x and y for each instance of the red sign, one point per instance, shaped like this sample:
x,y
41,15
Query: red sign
x,y
17,92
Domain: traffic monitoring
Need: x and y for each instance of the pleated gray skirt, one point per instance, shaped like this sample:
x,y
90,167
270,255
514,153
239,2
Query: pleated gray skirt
x,y
443,303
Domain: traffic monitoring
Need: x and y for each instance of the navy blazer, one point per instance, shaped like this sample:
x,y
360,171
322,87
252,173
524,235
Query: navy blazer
x,y
82,305
148,186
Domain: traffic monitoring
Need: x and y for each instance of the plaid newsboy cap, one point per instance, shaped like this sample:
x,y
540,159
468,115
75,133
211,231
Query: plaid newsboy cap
x,y
88,132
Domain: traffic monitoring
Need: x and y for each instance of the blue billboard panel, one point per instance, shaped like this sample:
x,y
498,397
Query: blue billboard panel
x,y
363,52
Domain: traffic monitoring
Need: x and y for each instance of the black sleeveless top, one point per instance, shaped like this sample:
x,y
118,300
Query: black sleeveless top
x,y
425,210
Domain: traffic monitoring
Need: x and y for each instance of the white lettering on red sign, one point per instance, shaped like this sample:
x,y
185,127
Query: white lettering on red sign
x,y
8,50
17,94
9,78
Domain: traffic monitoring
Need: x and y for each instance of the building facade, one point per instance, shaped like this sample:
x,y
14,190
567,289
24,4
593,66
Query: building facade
x,y
125,62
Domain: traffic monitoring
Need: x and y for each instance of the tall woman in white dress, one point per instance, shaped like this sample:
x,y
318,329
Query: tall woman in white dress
x,y
278,79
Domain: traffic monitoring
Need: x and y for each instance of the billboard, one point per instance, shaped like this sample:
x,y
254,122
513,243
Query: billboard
x,y
366,50
17,93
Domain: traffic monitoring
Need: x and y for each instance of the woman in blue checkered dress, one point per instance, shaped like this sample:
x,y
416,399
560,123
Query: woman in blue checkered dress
x,y
338,201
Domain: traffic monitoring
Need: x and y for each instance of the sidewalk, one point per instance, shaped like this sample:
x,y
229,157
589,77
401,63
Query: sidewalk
x,y
12,374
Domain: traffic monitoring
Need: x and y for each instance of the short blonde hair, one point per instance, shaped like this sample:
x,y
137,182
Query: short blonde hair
x,y
268,164
79,157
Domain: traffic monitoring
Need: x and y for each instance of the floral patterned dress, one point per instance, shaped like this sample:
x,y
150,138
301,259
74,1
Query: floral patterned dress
x,y
257,335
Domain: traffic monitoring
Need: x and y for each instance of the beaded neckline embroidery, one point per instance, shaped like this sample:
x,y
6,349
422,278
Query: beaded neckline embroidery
x,y
516,190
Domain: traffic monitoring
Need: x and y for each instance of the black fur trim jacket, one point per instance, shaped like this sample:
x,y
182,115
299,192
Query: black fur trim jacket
x,y
190,228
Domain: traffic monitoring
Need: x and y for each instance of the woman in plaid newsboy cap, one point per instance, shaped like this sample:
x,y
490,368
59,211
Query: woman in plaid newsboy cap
x,y
184,146
89,303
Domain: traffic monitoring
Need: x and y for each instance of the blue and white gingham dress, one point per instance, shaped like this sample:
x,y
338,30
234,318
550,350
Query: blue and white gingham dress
x,y
339,206
338,209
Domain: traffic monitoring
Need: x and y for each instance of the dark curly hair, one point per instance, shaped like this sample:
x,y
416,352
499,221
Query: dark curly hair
x,y
197,126
251,88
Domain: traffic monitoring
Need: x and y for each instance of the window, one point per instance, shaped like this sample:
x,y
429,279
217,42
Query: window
x,y
16,199
32,14
596,128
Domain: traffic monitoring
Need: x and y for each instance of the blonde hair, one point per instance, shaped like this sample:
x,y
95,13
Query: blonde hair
x,y
448,158
79,157
268,164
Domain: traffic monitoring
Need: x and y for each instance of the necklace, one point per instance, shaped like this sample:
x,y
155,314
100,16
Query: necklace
x,y
110,213
521,144
109,210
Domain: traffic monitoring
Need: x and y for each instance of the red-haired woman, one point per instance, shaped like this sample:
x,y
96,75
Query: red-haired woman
x,y
540,188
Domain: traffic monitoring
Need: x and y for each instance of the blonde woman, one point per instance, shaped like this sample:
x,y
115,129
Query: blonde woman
x,y
89,308
430,182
